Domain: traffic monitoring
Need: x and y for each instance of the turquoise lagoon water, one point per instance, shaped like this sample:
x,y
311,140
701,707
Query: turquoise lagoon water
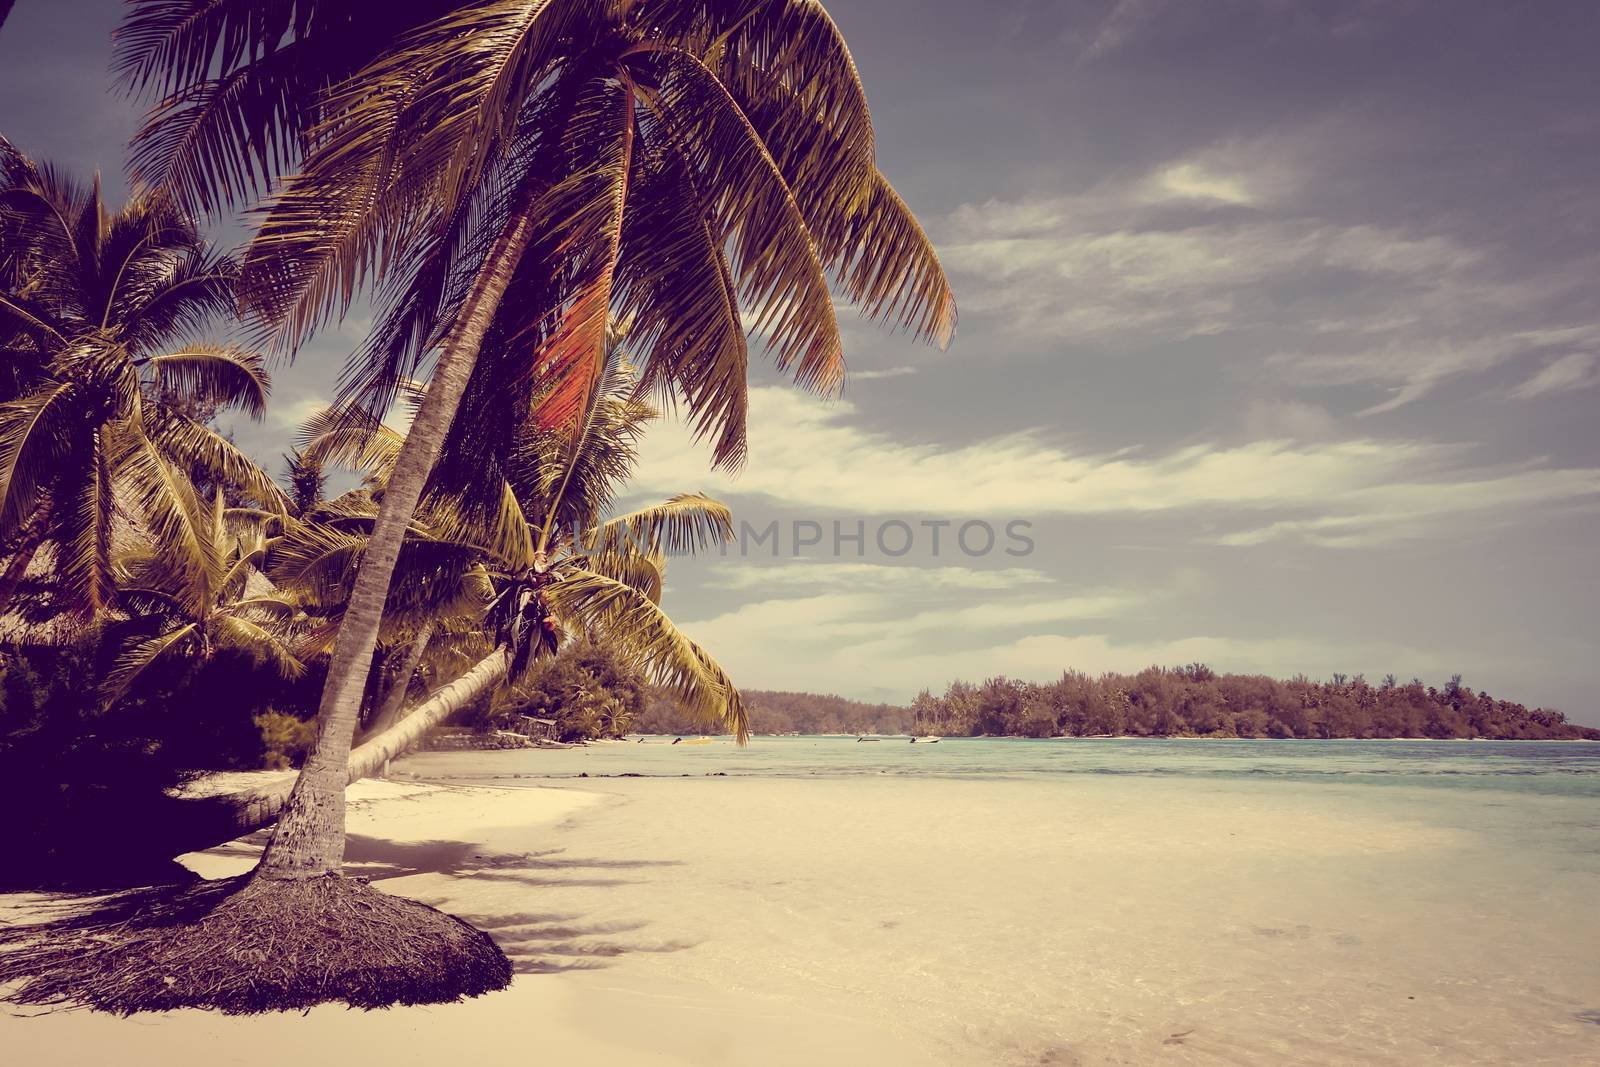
x,y
1563,768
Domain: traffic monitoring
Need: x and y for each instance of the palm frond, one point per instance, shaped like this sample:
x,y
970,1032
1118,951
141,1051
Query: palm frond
x,y
642,571
165,499
775,260
258,642
82,508
220,141
879,253
678,527
678,295
587,211
351,438
199,448
224,374
239,83
638,629
142,655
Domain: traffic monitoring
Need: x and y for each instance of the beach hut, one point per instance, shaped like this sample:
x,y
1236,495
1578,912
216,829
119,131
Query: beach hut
x,y
539,728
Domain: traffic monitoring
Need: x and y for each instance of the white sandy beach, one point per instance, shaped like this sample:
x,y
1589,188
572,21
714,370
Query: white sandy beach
x,y
462,841
874,920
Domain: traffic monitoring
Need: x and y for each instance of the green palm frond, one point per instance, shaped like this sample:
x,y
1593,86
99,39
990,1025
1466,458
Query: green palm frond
x,y
679,527
166,500
433,575
637,628
318,559
237,83
82,506
34,439
261,644
642,571
277,608
140,656
221,373
198,448
234,581
775,259
29,317
500,531
353,439
678,294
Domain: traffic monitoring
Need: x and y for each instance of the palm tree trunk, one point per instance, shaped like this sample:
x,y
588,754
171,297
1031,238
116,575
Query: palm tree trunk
x,y
394,697
193,825
398,739
309,839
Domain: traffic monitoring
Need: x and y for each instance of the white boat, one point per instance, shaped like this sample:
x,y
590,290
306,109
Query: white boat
x,y
929,740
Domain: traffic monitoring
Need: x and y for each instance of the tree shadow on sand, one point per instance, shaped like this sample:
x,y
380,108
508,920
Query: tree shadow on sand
x,y
536,943
60,955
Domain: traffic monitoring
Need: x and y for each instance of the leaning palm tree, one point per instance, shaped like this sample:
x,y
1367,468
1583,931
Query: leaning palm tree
x,y
109,394
532,167
207,596
537,544
530,550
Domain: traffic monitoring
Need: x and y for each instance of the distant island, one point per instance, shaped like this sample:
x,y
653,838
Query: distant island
x,y
1190,701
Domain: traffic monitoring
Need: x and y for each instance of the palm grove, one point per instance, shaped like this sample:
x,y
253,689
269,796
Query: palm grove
x,y
557,210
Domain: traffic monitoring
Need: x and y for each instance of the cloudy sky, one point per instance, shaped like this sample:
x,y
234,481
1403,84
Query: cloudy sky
x,y
1280,328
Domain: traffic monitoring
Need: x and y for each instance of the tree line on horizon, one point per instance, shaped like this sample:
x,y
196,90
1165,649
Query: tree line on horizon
x,y
1196,701
775,712
1188,701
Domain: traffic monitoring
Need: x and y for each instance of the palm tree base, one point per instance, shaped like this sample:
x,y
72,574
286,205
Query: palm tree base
x,y
251,945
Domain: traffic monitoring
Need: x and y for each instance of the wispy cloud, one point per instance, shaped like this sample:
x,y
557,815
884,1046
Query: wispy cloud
x,y
852,644
1576,370
887,372
1227,243
1386,489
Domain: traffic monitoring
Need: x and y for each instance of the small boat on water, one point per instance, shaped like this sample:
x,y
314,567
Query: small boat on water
x,y
692,741
929,740
861,739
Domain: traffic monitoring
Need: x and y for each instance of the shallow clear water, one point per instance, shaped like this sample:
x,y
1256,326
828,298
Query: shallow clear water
x,y
1101,902
1555,767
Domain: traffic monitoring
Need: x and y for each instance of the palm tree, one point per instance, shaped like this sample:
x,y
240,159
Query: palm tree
x,y
532,166
307,483
215,599
534,544
106,398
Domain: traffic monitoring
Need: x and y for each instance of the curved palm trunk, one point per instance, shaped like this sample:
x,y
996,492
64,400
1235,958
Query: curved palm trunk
x,y
395,741
309,839
208,822
394,698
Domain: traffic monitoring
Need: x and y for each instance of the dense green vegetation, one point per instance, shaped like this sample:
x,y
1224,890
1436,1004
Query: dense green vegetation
x,y
588,690
166,608
1195,701
1192,701
71,765
1182,702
